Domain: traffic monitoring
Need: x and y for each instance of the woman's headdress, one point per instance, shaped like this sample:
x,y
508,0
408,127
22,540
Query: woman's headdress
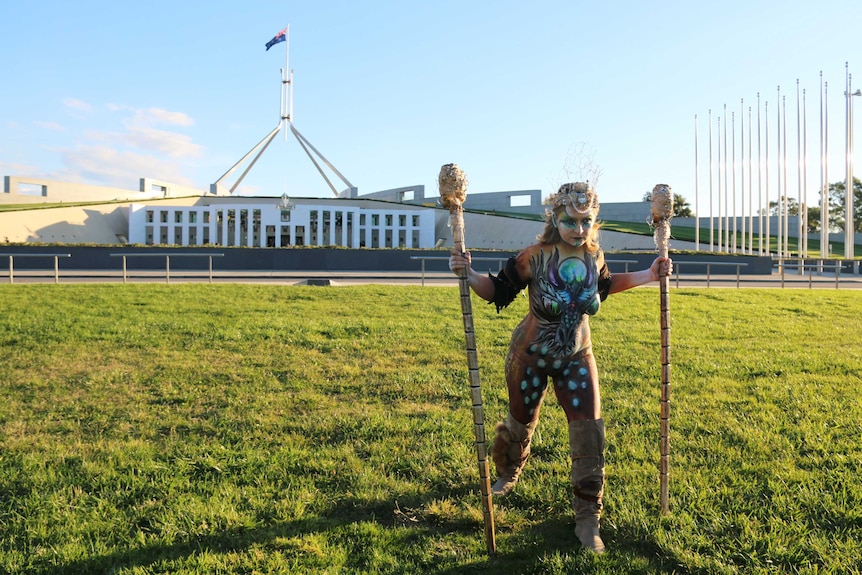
x,y
579,195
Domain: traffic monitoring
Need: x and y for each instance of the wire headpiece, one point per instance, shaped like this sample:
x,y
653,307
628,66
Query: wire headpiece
x,y
581,196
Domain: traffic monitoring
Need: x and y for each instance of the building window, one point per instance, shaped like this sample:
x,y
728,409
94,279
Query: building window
x,y
520,201
163,217
388,220
415,221
25,189
178,217
149,216
193,217
402,220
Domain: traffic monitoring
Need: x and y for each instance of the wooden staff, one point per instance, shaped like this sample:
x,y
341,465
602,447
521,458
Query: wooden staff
x,y
662,211
453,191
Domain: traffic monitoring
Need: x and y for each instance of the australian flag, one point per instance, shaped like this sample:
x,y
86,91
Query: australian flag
x,y
280,37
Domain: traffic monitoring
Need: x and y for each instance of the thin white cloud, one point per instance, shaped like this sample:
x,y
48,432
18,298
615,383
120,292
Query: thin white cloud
x,y
54,126
18,168
172,144
159,116
138,142
109,166
78,105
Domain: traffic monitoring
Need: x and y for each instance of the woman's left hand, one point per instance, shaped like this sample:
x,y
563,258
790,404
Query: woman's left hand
x,y
661,267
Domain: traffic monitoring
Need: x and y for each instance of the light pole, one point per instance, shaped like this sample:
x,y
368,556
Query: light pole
x,y
849,235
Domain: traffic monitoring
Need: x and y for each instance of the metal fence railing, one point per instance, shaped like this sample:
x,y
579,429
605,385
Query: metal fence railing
x,y
56,263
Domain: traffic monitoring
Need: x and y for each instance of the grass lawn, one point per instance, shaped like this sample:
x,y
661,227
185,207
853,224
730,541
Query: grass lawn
x,y
203,429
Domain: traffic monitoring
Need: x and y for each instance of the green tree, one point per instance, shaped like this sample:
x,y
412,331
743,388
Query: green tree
x,y
793,210
836,205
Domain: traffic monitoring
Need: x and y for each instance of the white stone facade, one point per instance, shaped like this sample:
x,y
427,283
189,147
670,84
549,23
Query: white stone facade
x,y
267,225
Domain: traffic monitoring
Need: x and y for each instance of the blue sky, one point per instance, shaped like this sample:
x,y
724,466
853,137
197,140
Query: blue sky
x,y
522,95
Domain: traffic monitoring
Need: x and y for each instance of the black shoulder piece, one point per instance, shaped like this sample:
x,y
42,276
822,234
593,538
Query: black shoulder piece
x,y
507,284
604,282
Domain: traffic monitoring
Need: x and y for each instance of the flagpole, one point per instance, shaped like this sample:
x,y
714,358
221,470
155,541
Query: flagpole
x,y
804,208
786,224
696,192
759,184
718,177
750,190
824,213
287,96
799,160
733,171
741,177
726,205
711,222
824,193
780,235
767,215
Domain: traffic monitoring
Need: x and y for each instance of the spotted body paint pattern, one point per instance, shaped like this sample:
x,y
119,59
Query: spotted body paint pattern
x,y
553,341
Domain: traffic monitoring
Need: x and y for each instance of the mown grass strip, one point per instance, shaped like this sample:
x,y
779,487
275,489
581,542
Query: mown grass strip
x,y
291,429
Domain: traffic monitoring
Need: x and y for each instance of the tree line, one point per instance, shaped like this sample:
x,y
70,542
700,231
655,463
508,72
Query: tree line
x,y
837,195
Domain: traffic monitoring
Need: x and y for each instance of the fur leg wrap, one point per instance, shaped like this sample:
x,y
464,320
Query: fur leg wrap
x,y
587,442
510,452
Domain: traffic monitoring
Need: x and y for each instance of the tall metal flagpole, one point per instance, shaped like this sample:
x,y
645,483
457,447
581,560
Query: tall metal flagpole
x,y
286,83
733,172
750,191
780,236
824,185
726,204
759,183
696,193
718,171
849,228
799,176
786,224
453,191
711,221
804,208
766,176
741,175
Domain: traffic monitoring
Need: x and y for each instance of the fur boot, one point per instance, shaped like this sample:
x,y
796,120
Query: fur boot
x,y
587,442
510,452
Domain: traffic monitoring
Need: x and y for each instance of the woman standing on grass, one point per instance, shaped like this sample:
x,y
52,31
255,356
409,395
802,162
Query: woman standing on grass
x,y
567,278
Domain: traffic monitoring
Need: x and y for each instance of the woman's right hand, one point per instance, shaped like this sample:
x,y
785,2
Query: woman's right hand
x,y
459,262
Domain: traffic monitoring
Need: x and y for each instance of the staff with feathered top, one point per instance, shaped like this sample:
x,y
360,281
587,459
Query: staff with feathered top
x,y
567,279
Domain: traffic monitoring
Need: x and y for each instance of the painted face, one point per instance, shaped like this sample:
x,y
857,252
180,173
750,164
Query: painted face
x,y
575,228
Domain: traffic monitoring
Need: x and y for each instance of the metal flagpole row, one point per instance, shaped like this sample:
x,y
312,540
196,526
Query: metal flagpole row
x,y
773,222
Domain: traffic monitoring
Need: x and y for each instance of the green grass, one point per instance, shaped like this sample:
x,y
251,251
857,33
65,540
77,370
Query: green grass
x,y
206,429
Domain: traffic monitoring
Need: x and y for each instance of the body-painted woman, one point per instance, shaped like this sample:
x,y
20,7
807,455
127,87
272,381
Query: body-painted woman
x,y
567,279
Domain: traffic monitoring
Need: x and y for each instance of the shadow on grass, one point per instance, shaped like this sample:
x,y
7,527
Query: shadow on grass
x,y
386,515
548,546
